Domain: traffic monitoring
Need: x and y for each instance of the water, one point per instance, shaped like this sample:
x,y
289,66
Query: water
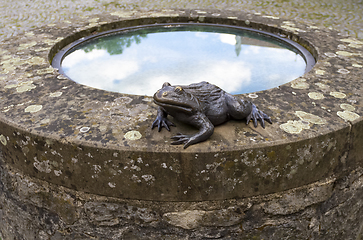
x,y
140,61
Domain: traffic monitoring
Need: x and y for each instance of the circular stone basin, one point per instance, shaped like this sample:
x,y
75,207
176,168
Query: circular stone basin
x,y
101,142
138,60
80,161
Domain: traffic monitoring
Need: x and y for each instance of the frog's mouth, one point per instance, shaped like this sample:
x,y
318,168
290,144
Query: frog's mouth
x,y
180,107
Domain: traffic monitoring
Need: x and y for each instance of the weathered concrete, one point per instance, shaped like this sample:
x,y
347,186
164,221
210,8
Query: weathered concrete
x,y
35,209
79,137
72,140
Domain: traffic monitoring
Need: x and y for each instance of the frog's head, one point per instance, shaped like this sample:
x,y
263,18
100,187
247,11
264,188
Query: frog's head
x,y
176,98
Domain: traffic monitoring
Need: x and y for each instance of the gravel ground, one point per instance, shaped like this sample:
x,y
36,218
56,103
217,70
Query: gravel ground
x,y
22,15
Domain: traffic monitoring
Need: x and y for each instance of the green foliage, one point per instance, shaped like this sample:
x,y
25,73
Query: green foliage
x,y
114,45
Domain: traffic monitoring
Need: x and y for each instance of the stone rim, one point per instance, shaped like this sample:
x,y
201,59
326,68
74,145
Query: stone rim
x,y
301,119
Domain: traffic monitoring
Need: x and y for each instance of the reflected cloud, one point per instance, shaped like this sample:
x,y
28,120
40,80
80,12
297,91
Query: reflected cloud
x,y
228,38
202,35
182,58
252,50
97,70
217,72
79,56
221,73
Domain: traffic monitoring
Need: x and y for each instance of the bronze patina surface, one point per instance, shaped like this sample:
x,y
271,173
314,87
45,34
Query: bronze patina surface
x,y
202,105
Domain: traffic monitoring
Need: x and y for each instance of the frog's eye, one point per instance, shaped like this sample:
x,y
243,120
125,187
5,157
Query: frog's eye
x,y
164,94
178,89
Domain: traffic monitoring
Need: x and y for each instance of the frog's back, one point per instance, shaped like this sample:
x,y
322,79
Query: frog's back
x,y
213,99
205,92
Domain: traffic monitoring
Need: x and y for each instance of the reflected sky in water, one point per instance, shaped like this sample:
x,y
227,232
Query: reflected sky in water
x,y
140,61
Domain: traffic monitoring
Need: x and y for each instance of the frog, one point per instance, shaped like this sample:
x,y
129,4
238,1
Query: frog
x,y
204,106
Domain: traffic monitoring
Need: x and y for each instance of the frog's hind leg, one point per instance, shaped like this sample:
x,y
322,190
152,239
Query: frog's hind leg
x,y
257,115
244,109
238,108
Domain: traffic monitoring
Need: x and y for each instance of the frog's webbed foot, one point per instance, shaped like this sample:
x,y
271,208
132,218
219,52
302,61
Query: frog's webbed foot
x,y
257,115
187,140
160,122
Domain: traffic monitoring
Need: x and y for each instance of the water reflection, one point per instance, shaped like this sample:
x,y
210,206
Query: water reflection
x,y
139,62
114,45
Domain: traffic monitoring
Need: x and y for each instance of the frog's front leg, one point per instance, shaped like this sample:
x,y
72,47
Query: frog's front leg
x,y
206,129
161,120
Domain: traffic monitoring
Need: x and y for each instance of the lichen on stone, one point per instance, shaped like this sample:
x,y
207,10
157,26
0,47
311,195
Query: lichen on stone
x,y
294,127
36,61
343,71
290,26
338,94
330,54
292,29
24,46
348,115
316,95
55,94
355,45
45,49
345,53
252,95
148,178
352,40
29,34
165,14
43,166
93,24
123,14
84,129
25,87
46,70
270,17
311,118
313,27
322,85
52,41
347,107
191,219
57,172
320,72
299,83
3,140
93,20
17,85
357,65
133,135
33,108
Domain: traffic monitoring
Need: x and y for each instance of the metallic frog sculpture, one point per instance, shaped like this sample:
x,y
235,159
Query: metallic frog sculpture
x,y
202,105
